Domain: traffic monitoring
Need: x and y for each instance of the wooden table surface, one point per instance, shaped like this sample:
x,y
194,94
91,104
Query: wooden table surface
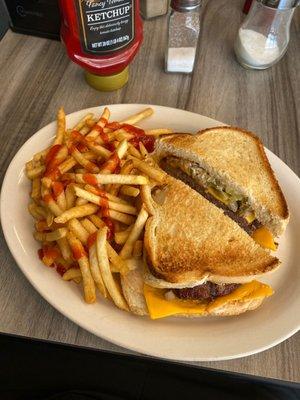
x,y
36,77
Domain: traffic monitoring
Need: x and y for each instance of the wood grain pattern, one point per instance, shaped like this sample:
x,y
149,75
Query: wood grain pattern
x,y
36,77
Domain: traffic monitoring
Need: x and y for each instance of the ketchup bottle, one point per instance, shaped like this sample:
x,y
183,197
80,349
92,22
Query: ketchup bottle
x,y
102,37
247,6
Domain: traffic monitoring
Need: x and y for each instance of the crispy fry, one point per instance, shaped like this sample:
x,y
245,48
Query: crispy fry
x,y
35,172
147,199
78,230
37,212
134,152
154,173
40,155
104,179
121,237
134,234
88,226
107,277
97,221
36,189
49,218
50,202
127,209
61,126
111,164
64,247
80,202
99,125
98,149
95,270
143,150
109,196
41,225
58,190
118,263
51,236
82,122
76,212
79,255
138,117
68,164
138,248
158,132
121,134
124,218
80,158
130,191
70,196
125,170
72,273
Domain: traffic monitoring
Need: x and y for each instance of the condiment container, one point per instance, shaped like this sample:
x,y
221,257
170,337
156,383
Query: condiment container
x,y
247,6
183,35
153,8
102,37
263,38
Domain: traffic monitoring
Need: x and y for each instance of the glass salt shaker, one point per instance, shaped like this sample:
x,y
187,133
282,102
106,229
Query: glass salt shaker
x,y
263,38
183,34
153,8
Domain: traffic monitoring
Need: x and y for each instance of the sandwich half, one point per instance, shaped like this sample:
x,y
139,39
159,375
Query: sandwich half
x,y
197,261
229,167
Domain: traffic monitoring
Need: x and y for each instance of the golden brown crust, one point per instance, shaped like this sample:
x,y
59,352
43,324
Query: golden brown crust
x,y
188,238
243,166
283,209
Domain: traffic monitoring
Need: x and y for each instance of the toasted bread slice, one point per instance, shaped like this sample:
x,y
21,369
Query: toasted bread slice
x,y
132,286
188,238
237,159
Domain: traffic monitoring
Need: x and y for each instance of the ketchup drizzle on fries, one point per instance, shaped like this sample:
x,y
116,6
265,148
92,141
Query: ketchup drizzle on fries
x,y
86,192
90,179
91,239
57,188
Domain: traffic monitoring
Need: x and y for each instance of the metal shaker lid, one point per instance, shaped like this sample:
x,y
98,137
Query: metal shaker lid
x,y
185,5
280,4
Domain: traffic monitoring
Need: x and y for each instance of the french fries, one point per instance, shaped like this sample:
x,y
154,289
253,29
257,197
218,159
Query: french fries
x,y
108,279
105,179
61,126
76,212
134,234
79,254
90,195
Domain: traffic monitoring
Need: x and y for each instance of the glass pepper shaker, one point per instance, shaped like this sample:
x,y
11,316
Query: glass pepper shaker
x,y
263,38
183,34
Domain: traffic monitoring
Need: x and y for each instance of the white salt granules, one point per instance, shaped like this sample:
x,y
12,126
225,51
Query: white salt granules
x,y
181,59
255,49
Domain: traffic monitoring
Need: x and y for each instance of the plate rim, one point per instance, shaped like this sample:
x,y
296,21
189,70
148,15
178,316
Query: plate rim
x,y
77,321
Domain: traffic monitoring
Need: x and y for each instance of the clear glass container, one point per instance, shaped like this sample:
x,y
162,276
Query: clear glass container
x,y
183,35
263,38
153,8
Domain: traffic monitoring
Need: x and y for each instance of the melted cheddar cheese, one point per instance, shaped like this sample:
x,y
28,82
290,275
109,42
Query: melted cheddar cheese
x,y
218,195
160,307
264,238
262,235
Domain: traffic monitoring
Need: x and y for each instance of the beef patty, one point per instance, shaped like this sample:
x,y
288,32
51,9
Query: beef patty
x,y
207,290
179,174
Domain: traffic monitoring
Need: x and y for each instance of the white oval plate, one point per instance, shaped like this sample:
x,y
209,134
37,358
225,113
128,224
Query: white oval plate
x,y
203,339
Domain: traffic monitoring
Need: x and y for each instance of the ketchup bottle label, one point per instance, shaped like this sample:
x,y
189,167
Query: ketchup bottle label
x,y
106,25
